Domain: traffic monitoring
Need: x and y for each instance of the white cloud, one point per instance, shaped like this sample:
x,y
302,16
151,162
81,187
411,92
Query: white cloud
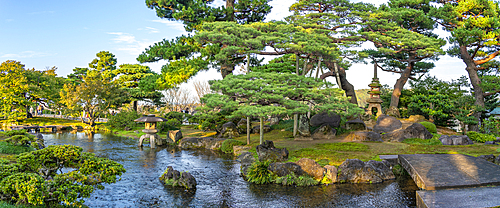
x,y
25,54
279,10
171,24
123,37
152,30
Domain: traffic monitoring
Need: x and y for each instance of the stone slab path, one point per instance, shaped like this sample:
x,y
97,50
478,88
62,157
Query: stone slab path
x,y
442,171
459,198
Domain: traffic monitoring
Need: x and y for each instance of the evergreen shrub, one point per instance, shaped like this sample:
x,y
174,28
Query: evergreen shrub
x,y
259,174
478,137
123,119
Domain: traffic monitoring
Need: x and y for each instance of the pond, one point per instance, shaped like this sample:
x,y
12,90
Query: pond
x,y
219,183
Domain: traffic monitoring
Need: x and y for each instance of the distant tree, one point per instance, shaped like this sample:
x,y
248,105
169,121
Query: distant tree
x,y
474,27
13,102
94,95
202,88
139,81
105,63
402,34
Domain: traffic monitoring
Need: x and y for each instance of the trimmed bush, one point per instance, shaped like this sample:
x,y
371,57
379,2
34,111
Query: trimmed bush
x,y
123,119
172,124
478,137
429,126
37,177
227,145
7,148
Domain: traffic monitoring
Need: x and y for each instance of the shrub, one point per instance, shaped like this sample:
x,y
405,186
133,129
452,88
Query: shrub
x,y
227,145
123,119
491,126
7,148
429,126
292,179
258,173
478,137
37,177
174,115
283,124
172,124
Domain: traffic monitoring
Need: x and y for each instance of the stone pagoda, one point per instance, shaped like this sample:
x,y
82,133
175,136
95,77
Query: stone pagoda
x,y
374,107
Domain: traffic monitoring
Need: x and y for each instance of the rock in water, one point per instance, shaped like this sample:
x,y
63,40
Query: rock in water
x,y
356,171
387,124
283,169
312,168
175,178
267,151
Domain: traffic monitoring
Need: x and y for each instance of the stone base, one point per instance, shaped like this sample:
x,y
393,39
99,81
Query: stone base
x,y
154,140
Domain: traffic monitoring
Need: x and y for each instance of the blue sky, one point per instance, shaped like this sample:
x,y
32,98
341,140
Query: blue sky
x,y
68,34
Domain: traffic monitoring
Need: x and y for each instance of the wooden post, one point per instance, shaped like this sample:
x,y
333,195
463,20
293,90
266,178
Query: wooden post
x,y
248,130
295,122
261,130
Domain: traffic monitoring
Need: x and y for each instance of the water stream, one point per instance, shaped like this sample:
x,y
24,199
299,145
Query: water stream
x,y
219,183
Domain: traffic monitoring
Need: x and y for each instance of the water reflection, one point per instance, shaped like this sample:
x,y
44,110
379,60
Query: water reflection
x,y
219,183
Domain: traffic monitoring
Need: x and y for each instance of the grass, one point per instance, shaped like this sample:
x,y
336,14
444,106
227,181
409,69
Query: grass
x,y
6,148
4,204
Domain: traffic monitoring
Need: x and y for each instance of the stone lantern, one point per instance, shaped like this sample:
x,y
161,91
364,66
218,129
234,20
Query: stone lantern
x,y
374,102
150,130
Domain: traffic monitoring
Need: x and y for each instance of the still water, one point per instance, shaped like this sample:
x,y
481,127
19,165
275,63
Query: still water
x,y
219,183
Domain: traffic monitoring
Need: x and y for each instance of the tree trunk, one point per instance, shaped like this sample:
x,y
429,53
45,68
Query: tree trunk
x,y
225,70
344,85
475,81
134,104
295,122
230,7
248,130
261,130
398,87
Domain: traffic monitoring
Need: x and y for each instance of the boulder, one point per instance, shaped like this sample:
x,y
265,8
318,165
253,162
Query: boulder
x,y
256,129
490,143
267,151
363,136
274,120
229,130
455,140
174,136
490,158
331,173
324,132
416,118
416,130
242,126
356,171
303,127
497,160
246,159
238,150
355,125
283,169
312,168
332,120
387,124
203,142
173,177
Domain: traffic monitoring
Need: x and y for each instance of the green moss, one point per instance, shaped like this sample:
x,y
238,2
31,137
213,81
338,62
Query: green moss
x,y
227,145
344,146
429,126
423,141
